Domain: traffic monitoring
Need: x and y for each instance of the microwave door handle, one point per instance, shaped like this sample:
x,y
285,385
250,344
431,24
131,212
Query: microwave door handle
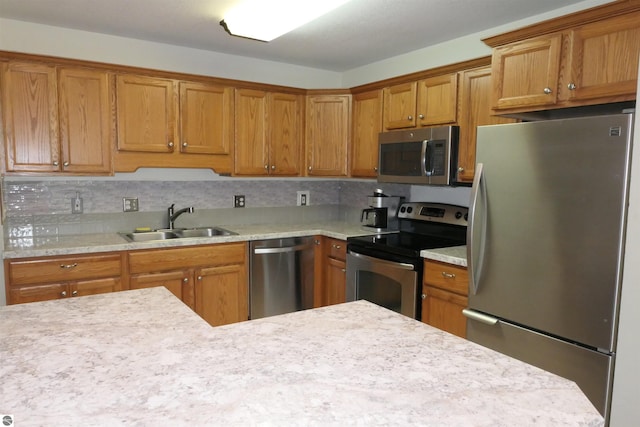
x,y
426,158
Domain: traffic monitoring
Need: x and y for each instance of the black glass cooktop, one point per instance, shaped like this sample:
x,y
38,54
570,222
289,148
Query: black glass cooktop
x,y
403,243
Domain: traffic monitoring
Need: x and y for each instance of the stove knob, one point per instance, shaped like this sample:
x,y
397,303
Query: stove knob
x,y
409,209
458,215
402,209
466,217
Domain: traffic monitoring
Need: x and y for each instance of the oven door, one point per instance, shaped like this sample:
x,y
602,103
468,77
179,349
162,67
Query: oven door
x,y
390,284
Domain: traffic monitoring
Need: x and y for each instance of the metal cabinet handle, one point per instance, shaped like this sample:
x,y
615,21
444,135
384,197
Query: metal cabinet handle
x,y
547,90
273,167
309,167
317,242
170,144
185,280
460,169
343,270
571,86
266,167
68,266
375,168
184,144
421,116
199,277
410,118
423,296
63,293
74,293
55,163
65,164
336,246
448,275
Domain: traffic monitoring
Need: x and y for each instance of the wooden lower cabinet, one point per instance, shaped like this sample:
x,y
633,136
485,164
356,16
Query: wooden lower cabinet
x,y
49,278
330,278
211,279
444,296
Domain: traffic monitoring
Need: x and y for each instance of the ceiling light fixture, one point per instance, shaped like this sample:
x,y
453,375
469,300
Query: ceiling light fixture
x,y
266,20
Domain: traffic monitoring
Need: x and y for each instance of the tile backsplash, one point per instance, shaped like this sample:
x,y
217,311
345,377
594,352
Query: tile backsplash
x,y
33,208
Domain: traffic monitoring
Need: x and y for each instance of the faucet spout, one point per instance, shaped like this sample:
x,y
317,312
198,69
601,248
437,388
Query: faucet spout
x,y
174,215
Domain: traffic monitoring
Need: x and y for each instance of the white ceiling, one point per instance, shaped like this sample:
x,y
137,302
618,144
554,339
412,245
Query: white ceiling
x,y
358,33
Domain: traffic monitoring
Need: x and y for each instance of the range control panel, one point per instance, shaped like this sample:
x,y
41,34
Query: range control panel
x,y
434,212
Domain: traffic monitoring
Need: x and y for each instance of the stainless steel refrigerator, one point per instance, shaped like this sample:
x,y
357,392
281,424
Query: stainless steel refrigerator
x,y
545,243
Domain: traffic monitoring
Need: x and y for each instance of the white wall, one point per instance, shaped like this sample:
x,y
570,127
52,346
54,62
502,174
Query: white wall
x,y
625,410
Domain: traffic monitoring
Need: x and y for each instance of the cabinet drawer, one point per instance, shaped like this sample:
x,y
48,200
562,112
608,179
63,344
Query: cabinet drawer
x,y
446,276
337,249
188,257
24,272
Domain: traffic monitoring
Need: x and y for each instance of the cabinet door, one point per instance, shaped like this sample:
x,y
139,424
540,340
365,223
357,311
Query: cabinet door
x,y
145,114
336,281
604,58
251,150
443,310
96,286
328,134
367,124
49,291
526,73
221,294
400,106
437,100
30,112
475,110
180,283
85,120
206,118
284,122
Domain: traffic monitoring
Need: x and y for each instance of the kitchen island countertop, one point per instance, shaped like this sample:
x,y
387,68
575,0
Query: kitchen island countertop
x,y
143,358
453,255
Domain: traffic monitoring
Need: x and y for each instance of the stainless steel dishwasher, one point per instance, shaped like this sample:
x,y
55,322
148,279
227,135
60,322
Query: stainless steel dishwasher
x,y
281,276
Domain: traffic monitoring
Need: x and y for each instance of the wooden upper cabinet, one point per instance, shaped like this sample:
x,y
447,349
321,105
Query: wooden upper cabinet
x,y
437,100
367,124
145,114
585,58
526,73
85,120
474,104
328,134
171,123
268,133
251,151
285,133
427,102
56,119
206,117
30,107
603,58
400,106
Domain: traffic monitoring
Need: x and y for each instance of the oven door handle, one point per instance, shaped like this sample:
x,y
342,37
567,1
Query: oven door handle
x,y
400,265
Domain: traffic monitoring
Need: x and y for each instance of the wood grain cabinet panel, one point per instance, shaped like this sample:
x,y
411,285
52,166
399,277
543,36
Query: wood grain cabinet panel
x,y
268,133
585,58
41,279
367,124
444,296
328,134
56,119
211,279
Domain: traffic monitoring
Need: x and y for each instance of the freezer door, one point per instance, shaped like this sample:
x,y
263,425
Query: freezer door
x,y
590,370
550,208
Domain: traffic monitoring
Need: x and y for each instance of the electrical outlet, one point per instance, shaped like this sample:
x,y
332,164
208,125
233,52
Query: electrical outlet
x,y
303,198
238,201
76,204
130,204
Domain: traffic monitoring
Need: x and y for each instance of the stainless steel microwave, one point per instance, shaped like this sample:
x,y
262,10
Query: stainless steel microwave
x,y
419,156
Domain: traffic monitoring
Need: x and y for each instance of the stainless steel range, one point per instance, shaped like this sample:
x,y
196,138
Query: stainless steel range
x,y
386,269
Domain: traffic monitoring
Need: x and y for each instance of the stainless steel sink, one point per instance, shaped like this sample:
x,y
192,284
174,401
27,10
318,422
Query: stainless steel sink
x,y
177,233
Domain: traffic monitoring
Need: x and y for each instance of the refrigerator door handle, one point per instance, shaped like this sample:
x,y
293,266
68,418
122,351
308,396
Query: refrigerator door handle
x,y
480,317
477,222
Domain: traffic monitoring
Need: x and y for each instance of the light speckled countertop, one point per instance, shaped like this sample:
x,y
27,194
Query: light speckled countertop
x,y
454,255
143,358
106,242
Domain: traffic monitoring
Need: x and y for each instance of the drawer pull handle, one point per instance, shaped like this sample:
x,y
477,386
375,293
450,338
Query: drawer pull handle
x,y
63,293
74,293
68,266
448,275
336,246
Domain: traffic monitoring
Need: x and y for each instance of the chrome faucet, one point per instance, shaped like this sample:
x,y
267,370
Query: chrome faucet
x,y
174,215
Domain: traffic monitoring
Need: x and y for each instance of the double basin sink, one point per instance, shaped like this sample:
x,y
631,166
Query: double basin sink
x,y
177,233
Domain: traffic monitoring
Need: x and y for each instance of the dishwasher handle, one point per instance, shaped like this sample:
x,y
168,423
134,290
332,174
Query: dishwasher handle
x,y
287,249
